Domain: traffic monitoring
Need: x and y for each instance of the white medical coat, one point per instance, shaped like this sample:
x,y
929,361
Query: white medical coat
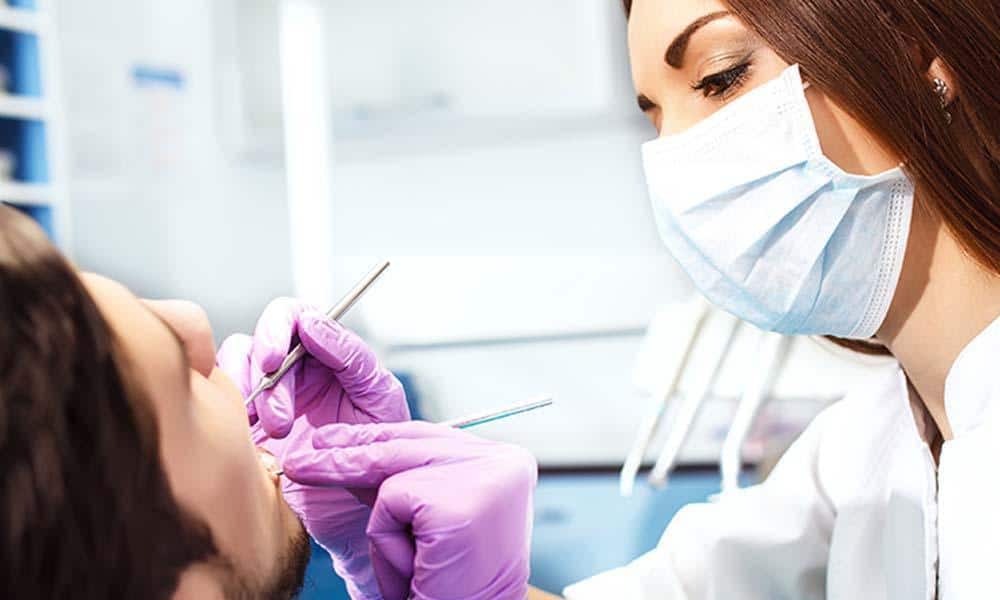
x,y
855,510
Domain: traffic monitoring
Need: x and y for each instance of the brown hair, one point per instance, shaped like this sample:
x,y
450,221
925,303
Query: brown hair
x,y
871,57
86,510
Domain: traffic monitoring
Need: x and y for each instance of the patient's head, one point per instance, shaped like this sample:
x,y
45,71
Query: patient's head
x,y
127,465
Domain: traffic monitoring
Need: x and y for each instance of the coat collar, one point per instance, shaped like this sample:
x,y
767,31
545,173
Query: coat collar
x,y
972,387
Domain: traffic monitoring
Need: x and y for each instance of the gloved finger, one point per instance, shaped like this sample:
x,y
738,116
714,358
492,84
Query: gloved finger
x,y
342,435
370,455
372,388
272,338
233,359
365,496
393,547
393,583
276,407
272,341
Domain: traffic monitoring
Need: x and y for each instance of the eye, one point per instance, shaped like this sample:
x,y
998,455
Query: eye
x,y
724,83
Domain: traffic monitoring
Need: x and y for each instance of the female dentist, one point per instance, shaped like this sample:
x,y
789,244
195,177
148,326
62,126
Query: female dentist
x,y
829,167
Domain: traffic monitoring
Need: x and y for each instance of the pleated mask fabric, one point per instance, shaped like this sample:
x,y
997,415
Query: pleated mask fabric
x,y
768,228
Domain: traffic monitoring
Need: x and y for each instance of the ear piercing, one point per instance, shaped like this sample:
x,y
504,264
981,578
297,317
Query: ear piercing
x,y
941,89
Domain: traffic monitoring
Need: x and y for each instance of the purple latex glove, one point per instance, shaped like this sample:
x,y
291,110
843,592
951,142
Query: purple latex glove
x,y
339,381
452,518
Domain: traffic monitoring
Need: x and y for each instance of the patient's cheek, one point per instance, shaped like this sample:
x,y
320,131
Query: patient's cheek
x,y
227,388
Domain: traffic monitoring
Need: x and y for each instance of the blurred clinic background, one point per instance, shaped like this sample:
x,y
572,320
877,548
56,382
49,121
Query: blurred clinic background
x,y
233,151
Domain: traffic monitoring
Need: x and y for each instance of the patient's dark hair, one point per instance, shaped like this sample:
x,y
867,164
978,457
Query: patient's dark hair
x,y
86,511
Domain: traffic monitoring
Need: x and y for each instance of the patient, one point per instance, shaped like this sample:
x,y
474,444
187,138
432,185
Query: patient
x,y
127,465
129,468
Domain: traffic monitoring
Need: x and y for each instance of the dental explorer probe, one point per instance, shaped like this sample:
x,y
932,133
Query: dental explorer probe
x,y
495,415
338,310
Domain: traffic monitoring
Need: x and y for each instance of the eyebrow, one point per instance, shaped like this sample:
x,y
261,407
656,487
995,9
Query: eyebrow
x,y
674,55
675,51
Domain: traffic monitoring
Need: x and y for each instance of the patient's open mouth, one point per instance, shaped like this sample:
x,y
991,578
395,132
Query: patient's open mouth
x,y
270,463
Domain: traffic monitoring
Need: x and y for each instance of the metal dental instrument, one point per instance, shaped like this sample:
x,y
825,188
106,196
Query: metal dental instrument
x,y
771,354
689,408
487,416
338,310
496,415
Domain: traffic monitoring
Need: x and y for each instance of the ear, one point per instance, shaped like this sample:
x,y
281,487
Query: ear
x,y
199,582
938,70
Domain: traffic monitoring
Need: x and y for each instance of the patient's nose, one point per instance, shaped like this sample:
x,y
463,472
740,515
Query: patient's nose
x,y
190,322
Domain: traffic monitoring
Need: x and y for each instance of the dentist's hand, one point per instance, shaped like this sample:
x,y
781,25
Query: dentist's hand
x,y
339,381
452,517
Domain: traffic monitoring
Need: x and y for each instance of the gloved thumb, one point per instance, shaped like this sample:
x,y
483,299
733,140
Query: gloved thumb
x,y
268,409
272,340
393,548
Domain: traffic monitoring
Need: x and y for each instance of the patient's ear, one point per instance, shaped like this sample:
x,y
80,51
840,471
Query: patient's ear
x,y
199,582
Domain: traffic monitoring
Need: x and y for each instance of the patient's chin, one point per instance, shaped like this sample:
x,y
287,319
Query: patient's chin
x,y
290,573
283,582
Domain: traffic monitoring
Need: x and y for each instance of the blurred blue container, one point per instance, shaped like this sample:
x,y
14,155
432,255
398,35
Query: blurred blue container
x,y
321,582
582,527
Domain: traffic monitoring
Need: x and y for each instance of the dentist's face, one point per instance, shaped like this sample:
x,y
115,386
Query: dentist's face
x,y
692,57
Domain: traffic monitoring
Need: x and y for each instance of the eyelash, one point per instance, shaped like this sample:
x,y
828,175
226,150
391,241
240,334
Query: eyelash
x,y
724,83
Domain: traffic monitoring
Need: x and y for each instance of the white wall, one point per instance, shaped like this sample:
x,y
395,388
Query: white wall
x,y
483,146
526,258
156,201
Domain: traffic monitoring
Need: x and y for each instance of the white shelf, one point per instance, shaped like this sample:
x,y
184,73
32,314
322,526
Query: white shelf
x,y
19,19
21,107
25,193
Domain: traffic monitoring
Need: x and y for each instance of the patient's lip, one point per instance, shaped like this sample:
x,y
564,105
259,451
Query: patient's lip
x,y
270,463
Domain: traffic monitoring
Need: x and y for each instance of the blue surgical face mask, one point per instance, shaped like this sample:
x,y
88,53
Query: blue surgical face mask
x,y
771,230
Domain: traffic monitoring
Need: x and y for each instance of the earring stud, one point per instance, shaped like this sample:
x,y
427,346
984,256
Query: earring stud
x,y
941,89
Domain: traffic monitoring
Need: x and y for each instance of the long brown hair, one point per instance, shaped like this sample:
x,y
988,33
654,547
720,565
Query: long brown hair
x,y
871,57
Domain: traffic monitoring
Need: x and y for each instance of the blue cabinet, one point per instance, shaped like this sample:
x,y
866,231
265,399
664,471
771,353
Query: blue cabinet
x,y
28,115
582,527
321,582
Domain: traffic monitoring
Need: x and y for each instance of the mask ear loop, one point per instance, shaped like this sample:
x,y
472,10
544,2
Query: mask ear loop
x,y
808,84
